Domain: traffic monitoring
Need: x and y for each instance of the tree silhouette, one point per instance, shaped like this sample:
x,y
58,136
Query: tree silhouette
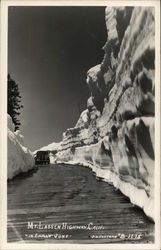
x,y
14,100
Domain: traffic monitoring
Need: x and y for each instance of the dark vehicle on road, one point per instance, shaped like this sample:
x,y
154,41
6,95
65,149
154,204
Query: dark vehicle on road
x,y
42,157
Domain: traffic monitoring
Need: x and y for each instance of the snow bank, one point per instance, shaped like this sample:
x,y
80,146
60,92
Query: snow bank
x,y
52,158
20,158
54,146
115,135
137,196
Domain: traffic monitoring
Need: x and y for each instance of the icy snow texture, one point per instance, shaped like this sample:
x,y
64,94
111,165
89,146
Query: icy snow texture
x,y
20,158
115,135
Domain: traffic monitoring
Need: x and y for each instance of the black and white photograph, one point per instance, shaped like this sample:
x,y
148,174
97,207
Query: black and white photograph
x,y
81,113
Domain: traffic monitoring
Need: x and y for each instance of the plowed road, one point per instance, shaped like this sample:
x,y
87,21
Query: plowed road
x,y
67,204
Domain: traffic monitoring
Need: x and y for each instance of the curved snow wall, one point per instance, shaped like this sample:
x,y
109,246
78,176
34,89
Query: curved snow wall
x,y
20,159
115,134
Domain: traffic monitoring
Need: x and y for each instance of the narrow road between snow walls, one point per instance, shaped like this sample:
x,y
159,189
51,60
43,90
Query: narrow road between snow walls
x,y
64,203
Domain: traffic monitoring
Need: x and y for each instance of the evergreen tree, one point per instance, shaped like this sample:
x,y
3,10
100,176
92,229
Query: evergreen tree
x,y
14,100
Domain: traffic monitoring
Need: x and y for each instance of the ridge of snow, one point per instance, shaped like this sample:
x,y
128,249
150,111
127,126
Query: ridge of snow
x,y
52,146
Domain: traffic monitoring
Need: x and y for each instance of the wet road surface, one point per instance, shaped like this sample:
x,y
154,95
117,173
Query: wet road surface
x,y
67,204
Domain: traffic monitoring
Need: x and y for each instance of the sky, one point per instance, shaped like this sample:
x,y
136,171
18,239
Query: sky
x,y
50,50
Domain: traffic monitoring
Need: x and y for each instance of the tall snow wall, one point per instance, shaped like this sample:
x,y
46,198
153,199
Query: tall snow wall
x,y
20,158
115,134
